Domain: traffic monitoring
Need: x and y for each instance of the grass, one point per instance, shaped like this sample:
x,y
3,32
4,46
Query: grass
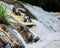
x,y
2,10
3,14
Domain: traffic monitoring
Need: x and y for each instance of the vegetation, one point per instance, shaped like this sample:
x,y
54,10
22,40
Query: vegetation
x,y
2,10
3,14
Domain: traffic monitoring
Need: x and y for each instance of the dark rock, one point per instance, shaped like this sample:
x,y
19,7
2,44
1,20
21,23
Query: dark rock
x,y
59,18
8,46
30,38
36,39
1,46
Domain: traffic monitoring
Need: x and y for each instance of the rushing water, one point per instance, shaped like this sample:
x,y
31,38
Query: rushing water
x,y
42,29
19,37
49,20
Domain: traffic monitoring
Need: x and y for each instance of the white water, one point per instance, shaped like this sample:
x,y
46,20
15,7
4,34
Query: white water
x,y
44,17
48,37
19,37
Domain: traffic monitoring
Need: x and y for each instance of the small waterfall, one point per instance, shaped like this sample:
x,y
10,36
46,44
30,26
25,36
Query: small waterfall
x,y
19,37
32,32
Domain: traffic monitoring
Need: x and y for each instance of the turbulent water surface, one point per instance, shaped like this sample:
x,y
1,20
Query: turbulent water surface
x,y
47,29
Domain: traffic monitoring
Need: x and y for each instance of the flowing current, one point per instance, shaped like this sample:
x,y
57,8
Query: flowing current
x,y
47,28
48,20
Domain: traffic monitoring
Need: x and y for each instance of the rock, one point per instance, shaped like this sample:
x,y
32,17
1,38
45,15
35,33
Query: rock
x,y
8,46
36,39
30,38
59,18
3,27
4,39
8,37
24,31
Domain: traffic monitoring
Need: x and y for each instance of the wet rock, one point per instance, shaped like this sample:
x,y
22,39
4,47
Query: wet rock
x,y
17,26
8,46
59,18
8,37
36,39
4,39
16,45
30,38
24,31
1,46
3,27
